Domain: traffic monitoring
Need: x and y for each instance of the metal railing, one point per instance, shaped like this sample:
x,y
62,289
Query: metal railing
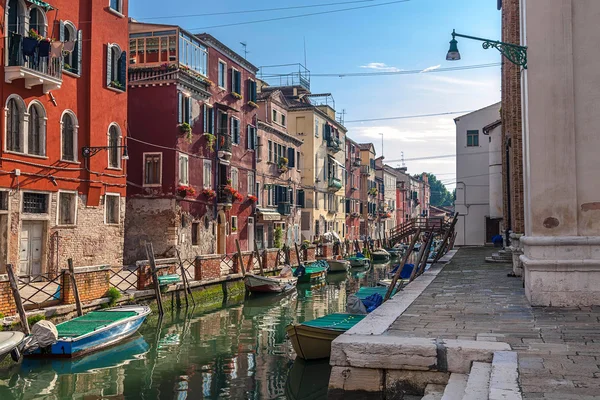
x,y
284,208
224,196
124,278
51,66
41,290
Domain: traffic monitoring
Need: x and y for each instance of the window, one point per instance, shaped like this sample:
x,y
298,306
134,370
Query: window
x,y
316,127
37,21
195,229
112,208
15,121
3,200
184,169
257,193
67,208
283,119
235,130
222,78
69,136
71,59
114,143
36,133
250,183
117,5
270,159
234,178
274,116
251,90
473,138
152,169
116,67
234,224
300,198
298,160
207,174
270,195
184,108
208,119
35,203
252,139
236,81
192,53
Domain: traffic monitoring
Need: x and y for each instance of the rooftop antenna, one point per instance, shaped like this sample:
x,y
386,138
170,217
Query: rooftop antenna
x,y
245,49
341,116
402,158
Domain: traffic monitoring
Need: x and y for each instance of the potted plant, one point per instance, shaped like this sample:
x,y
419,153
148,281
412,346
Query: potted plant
x,y
252,198
233,229
252,104
209,193
210,141
185,191
282,164
236,95
237,196
373,191
228,188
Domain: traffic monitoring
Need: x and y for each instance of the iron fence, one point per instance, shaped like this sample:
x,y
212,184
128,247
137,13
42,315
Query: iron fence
x,y
124,278
227,264
40,290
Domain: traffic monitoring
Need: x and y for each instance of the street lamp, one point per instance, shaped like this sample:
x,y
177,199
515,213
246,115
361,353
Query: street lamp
x,y
514,53
88,152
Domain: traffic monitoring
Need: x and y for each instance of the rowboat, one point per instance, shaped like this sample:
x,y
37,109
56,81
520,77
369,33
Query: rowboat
x,y
380,255
269,284
94,331
358,261
312,339
405,273
9,344
313,272
338,265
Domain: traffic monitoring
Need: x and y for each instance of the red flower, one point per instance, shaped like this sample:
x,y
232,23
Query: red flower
x,y
186,190
252,198
238,196
209,193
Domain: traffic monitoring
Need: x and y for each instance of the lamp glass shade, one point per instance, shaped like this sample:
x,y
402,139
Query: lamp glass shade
x,y
125,154
453,53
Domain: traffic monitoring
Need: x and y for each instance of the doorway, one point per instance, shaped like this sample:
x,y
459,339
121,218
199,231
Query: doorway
x,y
260,236
221,233
492,228
31,248
250,233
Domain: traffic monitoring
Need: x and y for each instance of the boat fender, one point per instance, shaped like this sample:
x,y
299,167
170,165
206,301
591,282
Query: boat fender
x,y
43,334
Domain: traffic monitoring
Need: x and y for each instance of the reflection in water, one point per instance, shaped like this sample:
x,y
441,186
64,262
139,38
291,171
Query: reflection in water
x,y
238,351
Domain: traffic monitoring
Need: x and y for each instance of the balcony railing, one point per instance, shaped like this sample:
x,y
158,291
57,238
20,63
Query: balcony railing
x,y
224,197
334,184
224,146
356,162
167,74
36,70
334,144
284,208
366,170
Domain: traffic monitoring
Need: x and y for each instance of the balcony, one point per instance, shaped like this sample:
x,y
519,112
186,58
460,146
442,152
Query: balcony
x,y
366,170
45,71
284,208
170,73
334,184
224,196
334,144
355,215
224,146
356,162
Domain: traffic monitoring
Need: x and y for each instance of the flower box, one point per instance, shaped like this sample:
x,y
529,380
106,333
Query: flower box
x,y
185,191
252,198
209,194
236,95
252,104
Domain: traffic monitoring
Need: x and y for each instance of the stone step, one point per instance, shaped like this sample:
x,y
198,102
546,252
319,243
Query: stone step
x,y
455,389
478,385
433,392
499,261
504,378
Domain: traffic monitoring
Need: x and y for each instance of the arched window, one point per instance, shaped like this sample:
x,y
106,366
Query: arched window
x,y
15,123
37,21
69,136
36,132
116,67
16,17
72,59
114,141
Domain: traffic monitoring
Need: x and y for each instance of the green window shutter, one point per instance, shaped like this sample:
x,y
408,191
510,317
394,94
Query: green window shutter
x,y
205,113
108,65
291,157
255,134
248,137
188,117
123,70
180,107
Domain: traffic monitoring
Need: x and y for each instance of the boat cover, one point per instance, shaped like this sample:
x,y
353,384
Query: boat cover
x,y
341,322
91,322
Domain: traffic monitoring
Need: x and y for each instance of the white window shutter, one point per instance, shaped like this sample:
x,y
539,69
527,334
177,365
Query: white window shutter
x,y
108,64
61,31
79,54
180,107
189,110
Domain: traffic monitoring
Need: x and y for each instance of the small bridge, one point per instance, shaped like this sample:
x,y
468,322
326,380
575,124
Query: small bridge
x,y
402,232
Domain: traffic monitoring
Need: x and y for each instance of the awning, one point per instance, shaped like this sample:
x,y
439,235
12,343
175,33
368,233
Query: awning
x,y
225,107
42,4
337,162
268,215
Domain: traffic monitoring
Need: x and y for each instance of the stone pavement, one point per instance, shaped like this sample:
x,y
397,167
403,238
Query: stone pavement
x,y
559,348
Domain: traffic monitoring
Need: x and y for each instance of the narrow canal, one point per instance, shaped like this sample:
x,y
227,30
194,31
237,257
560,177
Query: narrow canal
x,y
237,350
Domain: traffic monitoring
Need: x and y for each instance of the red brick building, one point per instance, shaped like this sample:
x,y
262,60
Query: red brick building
x,y
354,206
56,200
192,114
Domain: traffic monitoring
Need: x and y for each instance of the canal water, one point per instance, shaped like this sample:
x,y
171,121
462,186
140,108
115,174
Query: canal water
x,y
237,351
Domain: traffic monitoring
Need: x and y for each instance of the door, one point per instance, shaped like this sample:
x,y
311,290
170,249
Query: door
x,y
31,248
260,236
492,228
221,233
250,233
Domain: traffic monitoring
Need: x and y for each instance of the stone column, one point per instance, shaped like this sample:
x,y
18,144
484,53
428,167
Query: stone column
x,y
561,259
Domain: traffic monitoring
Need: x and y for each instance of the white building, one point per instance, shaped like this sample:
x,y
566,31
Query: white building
x,y
478,176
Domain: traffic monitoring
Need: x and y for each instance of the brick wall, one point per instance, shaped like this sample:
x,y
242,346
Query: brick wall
x,y
92,284
208,267
512,121
164,267
7,303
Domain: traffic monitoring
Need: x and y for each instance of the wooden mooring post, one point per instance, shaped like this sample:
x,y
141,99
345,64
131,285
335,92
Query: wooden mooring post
x,y
239,253
152,261
423,265
390,290
298,254
260,265
186,285
14,286
74,285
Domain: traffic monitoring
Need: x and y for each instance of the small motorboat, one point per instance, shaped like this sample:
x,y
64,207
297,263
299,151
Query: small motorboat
x,y
9,344
93,331
394,252
380,255
405,273
312,339
358,261
314,271
269,284
338,265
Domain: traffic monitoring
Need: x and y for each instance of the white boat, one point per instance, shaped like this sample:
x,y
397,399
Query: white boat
x,y
380,255
9,344
338,265
269,284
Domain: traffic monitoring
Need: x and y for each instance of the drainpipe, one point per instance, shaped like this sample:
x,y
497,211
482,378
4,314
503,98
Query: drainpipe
x,y
508,202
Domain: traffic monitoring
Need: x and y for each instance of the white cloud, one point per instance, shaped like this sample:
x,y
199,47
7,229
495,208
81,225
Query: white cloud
x,y
432,68
383,67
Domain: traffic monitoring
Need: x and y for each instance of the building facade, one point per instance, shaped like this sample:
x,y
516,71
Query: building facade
x,y
475,225
369,190
353,183
278,173
62,192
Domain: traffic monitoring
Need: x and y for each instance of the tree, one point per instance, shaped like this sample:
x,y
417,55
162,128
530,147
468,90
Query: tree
x,y
440,196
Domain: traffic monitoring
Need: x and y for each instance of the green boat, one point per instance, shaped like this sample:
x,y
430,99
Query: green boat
x,y
313,272
358,261
312,339
365,292
165,280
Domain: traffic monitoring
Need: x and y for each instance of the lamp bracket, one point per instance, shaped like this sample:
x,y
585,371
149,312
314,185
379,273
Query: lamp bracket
x,y
513,52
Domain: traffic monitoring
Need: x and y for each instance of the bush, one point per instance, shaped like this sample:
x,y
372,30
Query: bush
x,y
35,319
278,236
114,295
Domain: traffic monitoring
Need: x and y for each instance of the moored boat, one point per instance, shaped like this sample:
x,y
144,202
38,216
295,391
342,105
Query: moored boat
x,y
380,255
338,265
94,331
9,344
313,272
312,339
358,261
269,284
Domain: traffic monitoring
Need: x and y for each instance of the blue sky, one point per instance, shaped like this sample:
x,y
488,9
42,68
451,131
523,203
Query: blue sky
x,y
402,36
